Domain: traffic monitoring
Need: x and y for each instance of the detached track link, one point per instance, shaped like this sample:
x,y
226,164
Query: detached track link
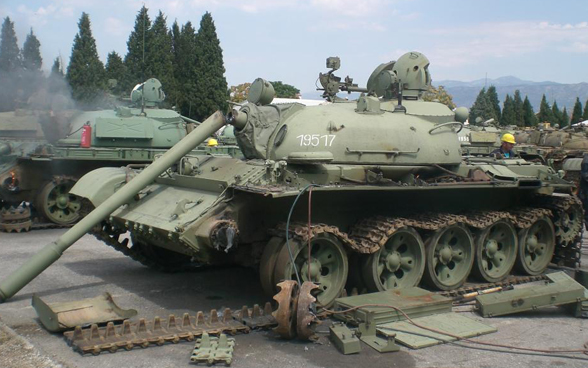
x,y
94,340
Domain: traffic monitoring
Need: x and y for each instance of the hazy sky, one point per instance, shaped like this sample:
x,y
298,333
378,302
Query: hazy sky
x,y
289,40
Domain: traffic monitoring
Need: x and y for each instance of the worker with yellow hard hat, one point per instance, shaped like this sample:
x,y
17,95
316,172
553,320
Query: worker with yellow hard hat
x,y
505,149
212,142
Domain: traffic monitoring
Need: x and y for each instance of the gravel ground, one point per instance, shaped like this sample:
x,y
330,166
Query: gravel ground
x,y
90,268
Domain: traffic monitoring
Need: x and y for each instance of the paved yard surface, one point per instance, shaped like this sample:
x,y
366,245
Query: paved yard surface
x,y
90,268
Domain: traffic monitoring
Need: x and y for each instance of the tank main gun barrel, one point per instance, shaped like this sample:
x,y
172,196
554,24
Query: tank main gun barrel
x,y
53,251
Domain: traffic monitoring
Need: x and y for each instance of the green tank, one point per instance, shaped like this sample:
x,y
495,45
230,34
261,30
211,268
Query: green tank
x,y
42,161
369,193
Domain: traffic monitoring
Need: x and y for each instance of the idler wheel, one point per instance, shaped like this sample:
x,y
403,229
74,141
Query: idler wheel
x,y
399,263
285,315
56,204
327,265
536,247
450,257
496,251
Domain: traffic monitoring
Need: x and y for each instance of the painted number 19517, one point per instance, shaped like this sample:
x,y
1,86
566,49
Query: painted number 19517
x,y
316,140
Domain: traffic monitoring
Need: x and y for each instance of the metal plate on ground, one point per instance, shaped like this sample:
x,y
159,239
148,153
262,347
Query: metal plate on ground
x,y
414,301
416,338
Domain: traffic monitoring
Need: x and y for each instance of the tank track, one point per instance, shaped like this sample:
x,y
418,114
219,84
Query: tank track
x,y
511,280
19,219
111,338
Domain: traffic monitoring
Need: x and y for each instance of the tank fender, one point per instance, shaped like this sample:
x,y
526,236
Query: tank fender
x,y
98,185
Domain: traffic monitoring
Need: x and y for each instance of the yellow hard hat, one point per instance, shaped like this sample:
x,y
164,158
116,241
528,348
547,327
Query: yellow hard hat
x,y
212,142
508,138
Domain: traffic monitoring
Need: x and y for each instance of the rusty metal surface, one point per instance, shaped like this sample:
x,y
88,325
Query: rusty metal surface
x,y
256,318
306,319
285,315
144,333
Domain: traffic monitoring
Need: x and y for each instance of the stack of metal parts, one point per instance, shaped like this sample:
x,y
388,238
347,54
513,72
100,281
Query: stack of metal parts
x,y
15,219
111,338
211,350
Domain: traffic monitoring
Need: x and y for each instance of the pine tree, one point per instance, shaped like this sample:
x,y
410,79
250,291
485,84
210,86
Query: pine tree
x,y
57,68
176,40
31,53
557,115
565,118
519,109
528,114
115,71
481,108
508,112
137,63
162,56
85,72
585,114
577,112
211,89
545,113
494,102
10,58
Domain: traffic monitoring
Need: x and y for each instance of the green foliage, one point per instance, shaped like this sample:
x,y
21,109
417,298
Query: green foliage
x,y
239,92
211,89
161,57
518,109
57,68
565,118
585,114
185,69
31,53
10,58
138,67
528,114
494,103
115,70
557,115
483,109
545,113
577,112
508,112
439,94
85,72
284,90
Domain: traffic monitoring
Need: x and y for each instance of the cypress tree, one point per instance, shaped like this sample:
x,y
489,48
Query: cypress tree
x,y
211,89
545,113
31,53
137,61
528,114
481,108
508,112
557,116
10,58
57,68
85,72
519,109
115,70
565,118
10,66
186,69
176,39
577,112
162,56
585,114
492,97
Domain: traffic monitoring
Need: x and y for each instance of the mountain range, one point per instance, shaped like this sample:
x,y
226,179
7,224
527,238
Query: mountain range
x,y
465,93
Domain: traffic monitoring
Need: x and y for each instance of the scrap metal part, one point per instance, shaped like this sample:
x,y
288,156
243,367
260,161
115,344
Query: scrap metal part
x,y
458,294
15,219
211,350
111,338
561,290
368,334
285,315
306,319
256,318
344,339
64,316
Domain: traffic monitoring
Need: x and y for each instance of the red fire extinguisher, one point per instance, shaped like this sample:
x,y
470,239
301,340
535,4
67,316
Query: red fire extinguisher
x,y
86,140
